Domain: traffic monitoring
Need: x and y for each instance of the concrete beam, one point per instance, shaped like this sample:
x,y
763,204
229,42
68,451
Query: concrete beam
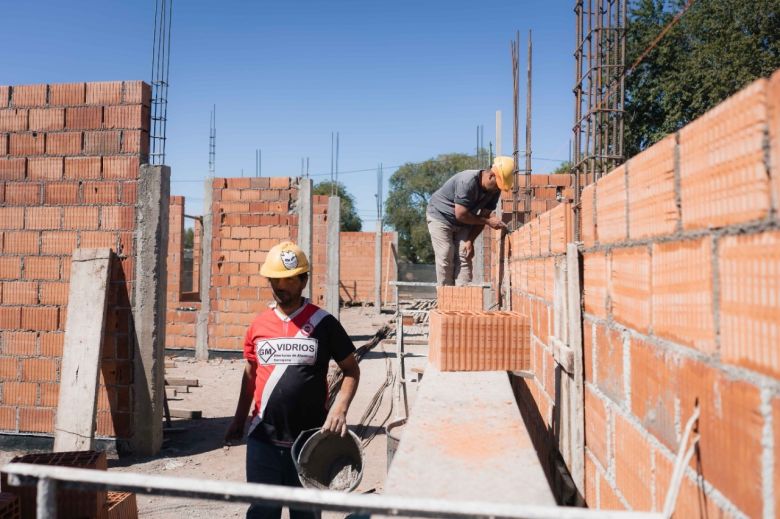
x,y
90,272
304,206
149,308
202,325
332,277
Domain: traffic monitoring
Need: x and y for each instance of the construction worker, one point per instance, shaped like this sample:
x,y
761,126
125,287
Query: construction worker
x,y
288,348
457,213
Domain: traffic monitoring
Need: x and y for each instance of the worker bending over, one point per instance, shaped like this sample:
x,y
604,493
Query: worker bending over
x,y
457,213
287,348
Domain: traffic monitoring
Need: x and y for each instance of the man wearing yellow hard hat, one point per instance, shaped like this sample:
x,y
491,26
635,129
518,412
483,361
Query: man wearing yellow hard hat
x,y
288,348
457,213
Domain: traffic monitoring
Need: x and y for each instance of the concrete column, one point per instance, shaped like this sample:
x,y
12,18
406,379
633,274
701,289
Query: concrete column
x,y
149,308
304,207
479,257
202,326
332,276
378,268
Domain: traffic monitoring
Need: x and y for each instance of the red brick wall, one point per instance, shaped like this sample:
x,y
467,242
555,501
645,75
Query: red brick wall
x,y
681,283
357,268
69,166
181,312
250,215
319,248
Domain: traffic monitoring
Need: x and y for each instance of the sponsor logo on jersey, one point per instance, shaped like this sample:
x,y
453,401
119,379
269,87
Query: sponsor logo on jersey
x,y
287,351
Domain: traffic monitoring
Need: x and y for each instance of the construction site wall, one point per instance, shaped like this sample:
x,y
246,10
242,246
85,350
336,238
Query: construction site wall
x,y
182,307
69,169
681,254
357,267
250,215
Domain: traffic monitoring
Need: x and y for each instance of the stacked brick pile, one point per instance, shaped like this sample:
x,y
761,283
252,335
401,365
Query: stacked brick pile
x,y
250,215
357,267
681,254
181,309
9,506
69,167
479,341
465,298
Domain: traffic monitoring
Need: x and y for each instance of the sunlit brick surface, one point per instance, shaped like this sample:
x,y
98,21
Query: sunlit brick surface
x,y
629,287
479,341
723,177
682,293
449,298
595,284
750,301
652,210
611,206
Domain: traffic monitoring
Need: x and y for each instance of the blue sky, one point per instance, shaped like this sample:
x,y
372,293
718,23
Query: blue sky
x,y
401,81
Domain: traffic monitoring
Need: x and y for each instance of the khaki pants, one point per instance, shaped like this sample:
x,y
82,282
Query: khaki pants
x,y
452,265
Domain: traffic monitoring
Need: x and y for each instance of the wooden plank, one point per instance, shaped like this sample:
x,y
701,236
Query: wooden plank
x,y
192,382
179,389
185,413
74,428
170,364
574,293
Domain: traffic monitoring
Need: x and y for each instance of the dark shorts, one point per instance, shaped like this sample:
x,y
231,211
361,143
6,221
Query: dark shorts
x,y
272,465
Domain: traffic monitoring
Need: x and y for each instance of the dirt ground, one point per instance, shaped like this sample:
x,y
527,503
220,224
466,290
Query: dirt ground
x,y
198,451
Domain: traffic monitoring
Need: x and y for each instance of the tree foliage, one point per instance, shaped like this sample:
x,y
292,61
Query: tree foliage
x,y
189,238
411,187
349,220
717,48
563,167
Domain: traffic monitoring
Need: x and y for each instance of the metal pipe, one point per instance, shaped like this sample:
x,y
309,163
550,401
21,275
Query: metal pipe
x,y
46,499
307,498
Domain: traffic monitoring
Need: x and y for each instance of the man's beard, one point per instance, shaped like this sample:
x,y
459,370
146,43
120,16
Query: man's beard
x,y
283,297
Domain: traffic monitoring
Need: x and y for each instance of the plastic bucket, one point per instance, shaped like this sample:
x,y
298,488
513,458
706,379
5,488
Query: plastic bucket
x,y
327,460
393,438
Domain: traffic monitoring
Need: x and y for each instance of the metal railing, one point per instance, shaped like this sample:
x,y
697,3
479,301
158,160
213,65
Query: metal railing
x,y
48,478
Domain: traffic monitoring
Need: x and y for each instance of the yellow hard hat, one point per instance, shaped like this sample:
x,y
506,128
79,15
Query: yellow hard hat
x,y
284,260
504,168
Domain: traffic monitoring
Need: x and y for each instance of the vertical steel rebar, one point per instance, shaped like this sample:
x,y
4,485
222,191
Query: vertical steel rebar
x,y
527,212
161,67
213,141
515,124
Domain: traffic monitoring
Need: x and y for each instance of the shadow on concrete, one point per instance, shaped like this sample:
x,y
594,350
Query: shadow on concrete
x,y
197,436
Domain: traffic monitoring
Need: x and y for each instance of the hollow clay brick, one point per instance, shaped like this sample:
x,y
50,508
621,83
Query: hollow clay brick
x,y
652,210
682,301
629,287
749,268
723,178
611,206
67,94
28,95
104,93
588,232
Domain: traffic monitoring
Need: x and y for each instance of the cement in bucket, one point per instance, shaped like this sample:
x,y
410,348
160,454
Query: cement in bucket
x,y
328,461
393,435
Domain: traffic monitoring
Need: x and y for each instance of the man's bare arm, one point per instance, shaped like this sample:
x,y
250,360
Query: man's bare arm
x,y
337,416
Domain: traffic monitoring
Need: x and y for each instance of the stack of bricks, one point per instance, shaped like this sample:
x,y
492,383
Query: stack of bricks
x,y
357,267
72,504
460,298
681,256
479,341
181,312
10,507
69,167
250,215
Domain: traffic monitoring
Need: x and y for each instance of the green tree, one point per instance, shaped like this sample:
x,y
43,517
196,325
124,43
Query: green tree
x,y
563,167
717,48
411,187
189,238
350,221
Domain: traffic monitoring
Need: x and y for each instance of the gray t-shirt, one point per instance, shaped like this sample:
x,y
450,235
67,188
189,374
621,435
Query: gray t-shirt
x,y
463,189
